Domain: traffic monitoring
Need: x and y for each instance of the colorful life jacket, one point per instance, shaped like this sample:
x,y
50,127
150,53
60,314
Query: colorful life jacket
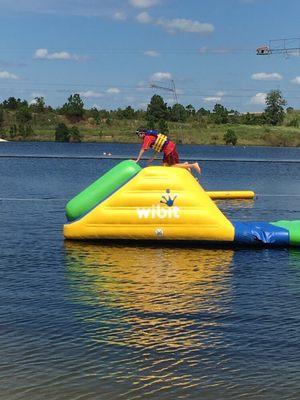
x,y
161,140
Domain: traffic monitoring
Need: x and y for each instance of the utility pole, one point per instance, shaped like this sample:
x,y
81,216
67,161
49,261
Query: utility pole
x,y
171,89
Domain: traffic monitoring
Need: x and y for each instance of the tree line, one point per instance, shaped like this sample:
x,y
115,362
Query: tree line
x,y
17,117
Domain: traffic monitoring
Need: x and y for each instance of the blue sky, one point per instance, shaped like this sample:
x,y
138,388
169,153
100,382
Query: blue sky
x,y
110,51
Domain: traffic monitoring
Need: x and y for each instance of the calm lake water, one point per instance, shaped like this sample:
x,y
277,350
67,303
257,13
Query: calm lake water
x,y
98,321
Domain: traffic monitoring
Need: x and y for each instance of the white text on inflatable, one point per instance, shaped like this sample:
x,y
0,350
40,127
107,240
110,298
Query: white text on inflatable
x,y
158,212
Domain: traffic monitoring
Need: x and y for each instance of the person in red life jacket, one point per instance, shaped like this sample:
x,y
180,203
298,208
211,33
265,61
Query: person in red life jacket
x,y
161,143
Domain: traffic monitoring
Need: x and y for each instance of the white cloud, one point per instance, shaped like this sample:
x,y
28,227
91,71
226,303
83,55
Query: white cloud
x,y
264,76
221,50
177,24
151,53
43,54
91,94
8,75
144,18
161,76
213,99
113,90
61,55
143,3
296,80
185,25
120,16
259,99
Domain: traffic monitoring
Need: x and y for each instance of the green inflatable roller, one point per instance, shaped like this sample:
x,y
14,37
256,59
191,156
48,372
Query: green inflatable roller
x,y
294,230
101,189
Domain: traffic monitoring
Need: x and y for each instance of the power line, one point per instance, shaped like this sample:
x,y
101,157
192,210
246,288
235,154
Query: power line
x,y
149,86
139,95
121,51
186,93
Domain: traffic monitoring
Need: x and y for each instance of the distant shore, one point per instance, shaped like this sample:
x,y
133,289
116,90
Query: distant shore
x,y
187,133
190,132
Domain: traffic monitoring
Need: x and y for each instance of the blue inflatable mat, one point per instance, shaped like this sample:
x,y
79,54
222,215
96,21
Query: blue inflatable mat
x,y
260,233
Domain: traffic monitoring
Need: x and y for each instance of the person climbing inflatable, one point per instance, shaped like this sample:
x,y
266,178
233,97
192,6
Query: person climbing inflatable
x,y
161,143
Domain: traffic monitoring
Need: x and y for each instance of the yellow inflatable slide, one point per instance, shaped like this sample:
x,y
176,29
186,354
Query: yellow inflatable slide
x,y
153,203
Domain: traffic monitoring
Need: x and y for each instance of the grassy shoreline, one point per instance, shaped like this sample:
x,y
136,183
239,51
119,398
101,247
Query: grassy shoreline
x,y
122,131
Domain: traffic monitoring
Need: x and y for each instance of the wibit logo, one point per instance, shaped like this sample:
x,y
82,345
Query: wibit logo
x,y
156,211
169,201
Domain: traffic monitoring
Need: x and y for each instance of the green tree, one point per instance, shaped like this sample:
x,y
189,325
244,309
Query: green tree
x,y
104,114
230,137
151,123
157,109
21,130
39,104
140,114
178,113
127,113
62,133
202,112
190,110
1,118
75,135
163,126
248,119
220,114
118,113
73,109
13,104
274,112
13,131
28,131
25,130
94,113
23,115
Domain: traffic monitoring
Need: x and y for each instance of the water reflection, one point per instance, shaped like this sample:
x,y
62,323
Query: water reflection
x,y
150,296
237,208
